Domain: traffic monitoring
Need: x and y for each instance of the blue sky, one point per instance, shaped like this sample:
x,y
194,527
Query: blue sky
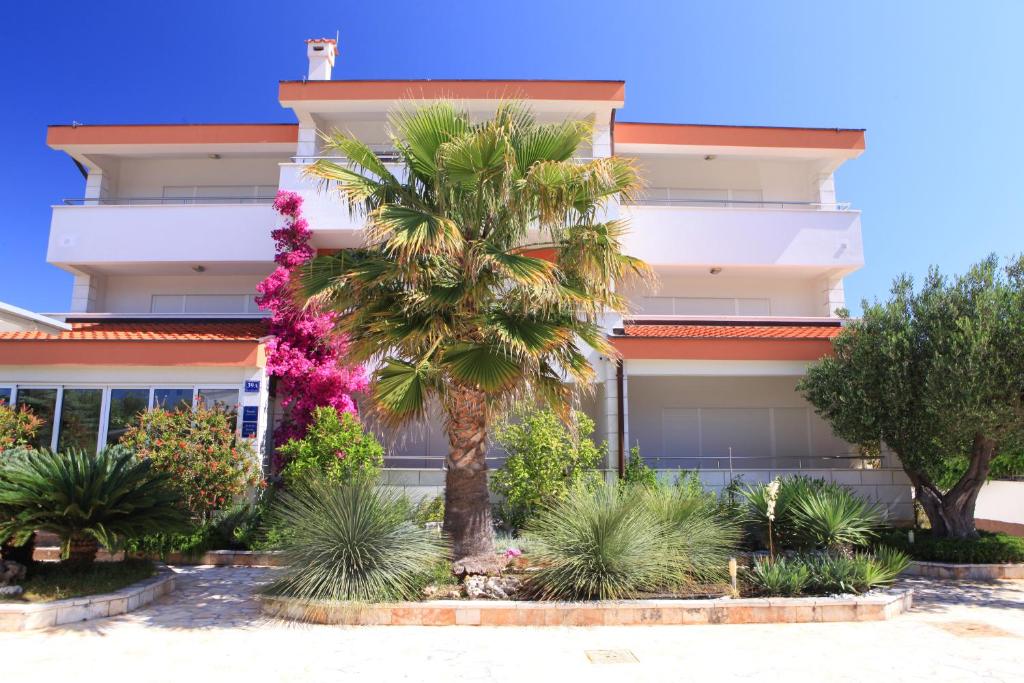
x,y
937,85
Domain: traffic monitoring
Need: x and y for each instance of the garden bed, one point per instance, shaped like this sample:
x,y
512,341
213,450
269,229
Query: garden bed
x,y
26,616
872,607
217,558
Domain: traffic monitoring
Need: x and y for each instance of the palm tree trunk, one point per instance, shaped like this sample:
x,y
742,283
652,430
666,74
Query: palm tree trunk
x,y
82,549
467,504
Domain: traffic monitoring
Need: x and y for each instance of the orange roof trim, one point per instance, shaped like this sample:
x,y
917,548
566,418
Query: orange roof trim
x,y
131,330
738,136
678,340
173,134
610,91
697,331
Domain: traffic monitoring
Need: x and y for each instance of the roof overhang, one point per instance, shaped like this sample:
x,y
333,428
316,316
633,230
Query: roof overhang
x,y
179,140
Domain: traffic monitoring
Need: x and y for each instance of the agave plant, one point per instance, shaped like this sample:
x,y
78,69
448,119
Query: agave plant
x,y
600,543
352,542
835,519
85,499
446,293
784,533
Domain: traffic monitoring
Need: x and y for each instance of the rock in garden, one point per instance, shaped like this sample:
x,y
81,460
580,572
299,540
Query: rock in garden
x,y
492,587
11,591
11,572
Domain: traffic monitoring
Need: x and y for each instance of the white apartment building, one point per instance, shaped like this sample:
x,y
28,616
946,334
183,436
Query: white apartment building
x,y
742,225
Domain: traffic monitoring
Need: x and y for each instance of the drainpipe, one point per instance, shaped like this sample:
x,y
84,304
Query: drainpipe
x,y
620,385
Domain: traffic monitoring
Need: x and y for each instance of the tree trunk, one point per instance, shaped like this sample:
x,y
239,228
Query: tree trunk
x,y
952,513
467,504
82,549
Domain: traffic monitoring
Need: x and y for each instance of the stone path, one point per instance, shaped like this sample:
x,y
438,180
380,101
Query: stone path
x,y
211,629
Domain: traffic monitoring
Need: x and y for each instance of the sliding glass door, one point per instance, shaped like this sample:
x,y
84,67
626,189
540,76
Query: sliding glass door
x,y
80,420
43,404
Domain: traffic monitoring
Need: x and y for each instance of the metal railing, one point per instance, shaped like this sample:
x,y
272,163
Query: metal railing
x,y
163,201
723,463
738,203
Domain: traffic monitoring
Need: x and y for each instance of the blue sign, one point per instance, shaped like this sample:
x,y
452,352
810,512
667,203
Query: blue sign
x,y
248,430
252,386
250,413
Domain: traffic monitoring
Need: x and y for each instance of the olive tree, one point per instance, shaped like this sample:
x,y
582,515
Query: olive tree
x,y
937,375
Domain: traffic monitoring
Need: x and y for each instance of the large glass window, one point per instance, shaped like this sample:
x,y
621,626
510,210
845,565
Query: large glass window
x,y
224,399
80,419
5,394
125,405
42,402
172,399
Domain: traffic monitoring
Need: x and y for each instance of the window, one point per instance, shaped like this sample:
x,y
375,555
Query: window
x,y
224,399
691,305
42,402
125,405
219,194
80,419
172,399
204,303
5,394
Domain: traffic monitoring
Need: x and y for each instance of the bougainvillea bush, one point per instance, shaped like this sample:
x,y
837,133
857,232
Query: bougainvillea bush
x,y
209,466
336,447
304,355
18,426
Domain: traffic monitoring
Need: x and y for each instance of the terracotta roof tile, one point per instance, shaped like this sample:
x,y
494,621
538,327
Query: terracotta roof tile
x,y
686,330
150,330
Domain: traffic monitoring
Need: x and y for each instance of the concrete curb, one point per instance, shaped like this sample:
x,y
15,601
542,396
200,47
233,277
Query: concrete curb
x,y
612,613
30,616
948,570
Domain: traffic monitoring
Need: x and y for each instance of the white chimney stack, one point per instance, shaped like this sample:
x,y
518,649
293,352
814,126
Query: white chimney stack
x,y
321,53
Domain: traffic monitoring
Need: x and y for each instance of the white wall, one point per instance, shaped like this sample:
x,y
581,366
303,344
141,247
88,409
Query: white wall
x,y
1001,501
787,296
148,177
777,180
133,293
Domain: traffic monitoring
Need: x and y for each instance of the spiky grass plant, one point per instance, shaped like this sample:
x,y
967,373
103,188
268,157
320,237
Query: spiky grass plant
x,y
834,519
885,566
704,538
85,499
352,542
779,577
598,543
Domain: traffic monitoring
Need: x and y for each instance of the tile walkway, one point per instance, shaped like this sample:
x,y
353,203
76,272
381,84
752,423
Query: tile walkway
x,y
211,629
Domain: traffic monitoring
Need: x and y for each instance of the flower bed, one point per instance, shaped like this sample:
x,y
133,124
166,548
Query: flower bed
x,y
872,607
21,616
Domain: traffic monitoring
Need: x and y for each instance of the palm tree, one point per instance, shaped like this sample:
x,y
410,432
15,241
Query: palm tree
x,y
446,298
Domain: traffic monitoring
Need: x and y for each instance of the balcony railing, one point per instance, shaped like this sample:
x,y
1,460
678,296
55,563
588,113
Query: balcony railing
x,y
738,203
165,201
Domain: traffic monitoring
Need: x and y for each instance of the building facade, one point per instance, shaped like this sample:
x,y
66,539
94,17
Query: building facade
x,y
741,224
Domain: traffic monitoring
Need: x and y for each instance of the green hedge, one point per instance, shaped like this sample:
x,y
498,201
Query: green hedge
x,y
988,548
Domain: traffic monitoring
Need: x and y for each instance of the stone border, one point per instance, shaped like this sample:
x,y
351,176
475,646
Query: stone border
x,y
217,558
27,616
948,570
611,613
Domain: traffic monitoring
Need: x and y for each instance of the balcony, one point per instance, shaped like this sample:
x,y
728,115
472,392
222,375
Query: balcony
x,y
114,234
797,235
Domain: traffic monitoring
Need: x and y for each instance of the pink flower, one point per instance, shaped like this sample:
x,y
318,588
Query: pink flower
x,y
340,455
513,552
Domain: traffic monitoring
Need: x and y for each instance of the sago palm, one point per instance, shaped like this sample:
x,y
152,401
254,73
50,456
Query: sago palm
x,y
444,296
85,499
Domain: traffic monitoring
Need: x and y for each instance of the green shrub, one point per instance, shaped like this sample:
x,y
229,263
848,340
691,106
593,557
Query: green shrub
x,y
825,573
545,460
834,519
336,447
779,577
704,536
599,543
209,467
429,510
988,548
636,472
85,499
787,533
18,426
352,542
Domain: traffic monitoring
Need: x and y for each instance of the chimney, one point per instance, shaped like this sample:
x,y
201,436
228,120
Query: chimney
x,y
321,53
